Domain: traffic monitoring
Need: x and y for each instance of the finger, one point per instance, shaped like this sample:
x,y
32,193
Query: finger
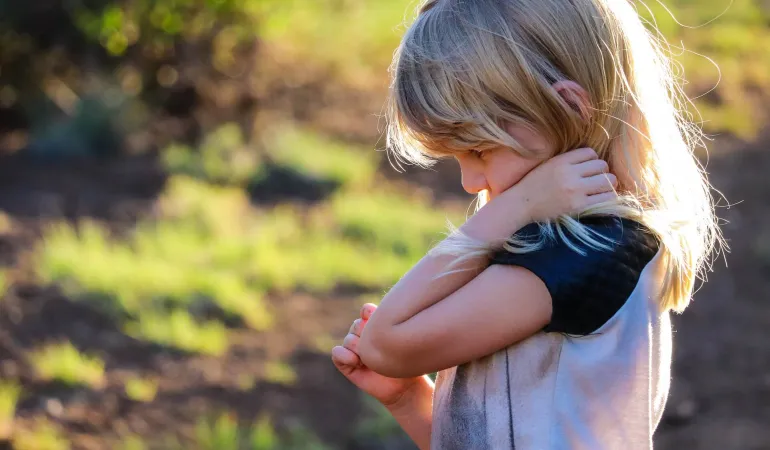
x,y
607,197
351,342
593,167
581,155
599,184
357,327
344,359
367,310
601,198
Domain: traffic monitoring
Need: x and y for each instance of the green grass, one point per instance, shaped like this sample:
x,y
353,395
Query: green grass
x,y
221,434
357,42
132,442
178,329
208,247
224,433
10,391
737,41
355,38
321,157
211,246
63,362
42,436
3,283
141,390
263,435
280,372
223,157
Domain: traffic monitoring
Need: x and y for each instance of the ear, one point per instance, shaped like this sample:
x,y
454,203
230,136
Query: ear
x,y
575,96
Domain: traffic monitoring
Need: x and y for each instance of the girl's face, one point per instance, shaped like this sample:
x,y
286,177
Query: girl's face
x,y
498,169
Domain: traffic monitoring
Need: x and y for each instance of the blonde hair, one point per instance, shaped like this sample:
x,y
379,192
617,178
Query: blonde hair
x,y
466,68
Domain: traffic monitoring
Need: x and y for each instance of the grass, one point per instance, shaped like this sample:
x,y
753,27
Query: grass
x,y
223,157
737,42
10,391
63,362
132,442
209,248
221,434
224,433
356,43
179,330
322,157
356,39
280,372
42,436
3,283
141,390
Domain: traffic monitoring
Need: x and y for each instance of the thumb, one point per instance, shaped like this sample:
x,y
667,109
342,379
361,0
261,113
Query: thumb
x,y
345,360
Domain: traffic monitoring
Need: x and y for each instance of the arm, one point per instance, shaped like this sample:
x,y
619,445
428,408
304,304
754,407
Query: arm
x,y
501,306
426,324
414,412
419,289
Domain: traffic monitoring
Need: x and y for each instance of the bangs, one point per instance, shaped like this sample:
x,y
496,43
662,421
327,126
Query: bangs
x,y
438,106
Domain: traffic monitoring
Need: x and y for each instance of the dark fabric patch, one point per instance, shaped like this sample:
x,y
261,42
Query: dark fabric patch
x,y
587,290
466,424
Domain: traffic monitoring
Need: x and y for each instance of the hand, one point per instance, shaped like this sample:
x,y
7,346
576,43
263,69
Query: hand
x,y
387,390
567,184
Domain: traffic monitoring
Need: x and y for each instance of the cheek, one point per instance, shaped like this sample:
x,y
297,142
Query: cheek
x,y
506,174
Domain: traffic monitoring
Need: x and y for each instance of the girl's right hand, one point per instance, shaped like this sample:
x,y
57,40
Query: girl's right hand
x,y
386,390
567,184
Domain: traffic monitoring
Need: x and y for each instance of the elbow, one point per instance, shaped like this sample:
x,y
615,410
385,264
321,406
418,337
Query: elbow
x,y
385,358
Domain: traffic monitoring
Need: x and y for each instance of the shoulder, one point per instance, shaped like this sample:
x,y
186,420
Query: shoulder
x,y
587,287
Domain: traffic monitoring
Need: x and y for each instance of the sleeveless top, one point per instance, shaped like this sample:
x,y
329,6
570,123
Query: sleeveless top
x,y
596,377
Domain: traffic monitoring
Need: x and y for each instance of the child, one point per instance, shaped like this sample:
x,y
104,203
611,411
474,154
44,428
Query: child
x,y
546,315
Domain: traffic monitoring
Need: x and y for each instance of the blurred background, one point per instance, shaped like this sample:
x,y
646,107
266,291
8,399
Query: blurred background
x,y
192,210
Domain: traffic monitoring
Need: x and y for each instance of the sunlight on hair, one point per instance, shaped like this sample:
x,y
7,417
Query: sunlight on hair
x,y
464,69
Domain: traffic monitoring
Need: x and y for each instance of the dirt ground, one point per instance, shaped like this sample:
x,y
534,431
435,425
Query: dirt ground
x,y
720,397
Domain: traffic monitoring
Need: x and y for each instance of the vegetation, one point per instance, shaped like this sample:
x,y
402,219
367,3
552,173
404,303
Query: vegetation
x,y
141,390
63,362
211,259
43,435
10,391
224,433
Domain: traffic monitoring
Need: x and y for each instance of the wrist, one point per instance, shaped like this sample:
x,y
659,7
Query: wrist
x,y
500,217
419,393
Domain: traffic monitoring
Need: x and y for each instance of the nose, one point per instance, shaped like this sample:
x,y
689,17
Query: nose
x,y
473,178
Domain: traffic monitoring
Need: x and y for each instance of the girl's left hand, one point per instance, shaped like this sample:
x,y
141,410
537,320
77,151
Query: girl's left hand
x,y
566,184
386,390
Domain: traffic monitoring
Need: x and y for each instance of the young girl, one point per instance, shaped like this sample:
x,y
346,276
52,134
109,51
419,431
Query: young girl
x,y
547,313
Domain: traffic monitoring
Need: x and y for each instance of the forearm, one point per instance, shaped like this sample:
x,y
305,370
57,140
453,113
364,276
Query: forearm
x,y
420,288
414,412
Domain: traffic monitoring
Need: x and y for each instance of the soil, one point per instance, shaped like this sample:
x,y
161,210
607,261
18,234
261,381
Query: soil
x,y
721,390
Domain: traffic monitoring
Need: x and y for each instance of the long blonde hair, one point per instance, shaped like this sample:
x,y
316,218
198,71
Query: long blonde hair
x,y
466,68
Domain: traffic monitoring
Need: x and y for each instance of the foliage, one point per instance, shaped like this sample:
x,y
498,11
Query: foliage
x,y
224,433
280,372
10,391
63,362
178,329
223,157
42,436
319,156
141,390
726,47
3,283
